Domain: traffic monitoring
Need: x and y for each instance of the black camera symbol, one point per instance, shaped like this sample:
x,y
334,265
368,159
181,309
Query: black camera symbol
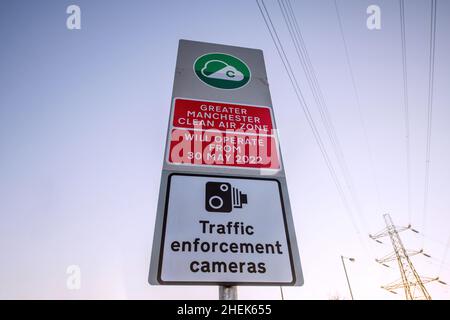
x,y
222,197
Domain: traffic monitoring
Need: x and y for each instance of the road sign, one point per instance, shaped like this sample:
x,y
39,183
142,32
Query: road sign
x,y
223,215
189,113
211,133
230,230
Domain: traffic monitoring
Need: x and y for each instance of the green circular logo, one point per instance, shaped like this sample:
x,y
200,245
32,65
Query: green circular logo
x,y
223,71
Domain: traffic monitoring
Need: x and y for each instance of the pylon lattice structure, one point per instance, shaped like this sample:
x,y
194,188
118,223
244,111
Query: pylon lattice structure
x,y
410,281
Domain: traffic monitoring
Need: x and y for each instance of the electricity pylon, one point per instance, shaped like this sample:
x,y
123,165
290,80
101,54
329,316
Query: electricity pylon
x,y
410,280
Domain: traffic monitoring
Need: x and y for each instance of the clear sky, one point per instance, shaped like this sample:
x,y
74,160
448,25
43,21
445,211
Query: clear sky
x,y
83,116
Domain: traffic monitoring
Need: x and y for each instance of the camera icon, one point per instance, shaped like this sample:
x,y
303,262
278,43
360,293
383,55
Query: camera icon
x,y
222,197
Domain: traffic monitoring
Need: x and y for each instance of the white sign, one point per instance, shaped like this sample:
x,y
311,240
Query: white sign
x,y
224,230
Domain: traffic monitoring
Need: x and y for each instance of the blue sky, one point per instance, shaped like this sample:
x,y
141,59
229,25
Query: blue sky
x,y
83,116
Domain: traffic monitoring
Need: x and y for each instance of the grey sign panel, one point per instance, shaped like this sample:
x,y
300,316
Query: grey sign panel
x,y
231,196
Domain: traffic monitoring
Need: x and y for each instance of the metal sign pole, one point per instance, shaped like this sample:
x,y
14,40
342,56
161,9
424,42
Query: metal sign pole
x,y
227,292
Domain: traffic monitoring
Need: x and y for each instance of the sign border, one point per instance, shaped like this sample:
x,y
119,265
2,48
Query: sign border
x,y
222,283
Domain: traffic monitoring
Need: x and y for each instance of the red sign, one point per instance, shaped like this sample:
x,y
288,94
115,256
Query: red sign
x,y
222,134
221,116
223,149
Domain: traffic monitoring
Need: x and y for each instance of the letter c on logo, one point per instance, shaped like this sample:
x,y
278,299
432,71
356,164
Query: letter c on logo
x,y
230,73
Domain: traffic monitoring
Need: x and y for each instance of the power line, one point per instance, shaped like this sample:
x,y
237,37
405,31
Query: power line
x,y
445,256
358,104
430,110
406,106
446,246
428,238
305,61
439,263
282,54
